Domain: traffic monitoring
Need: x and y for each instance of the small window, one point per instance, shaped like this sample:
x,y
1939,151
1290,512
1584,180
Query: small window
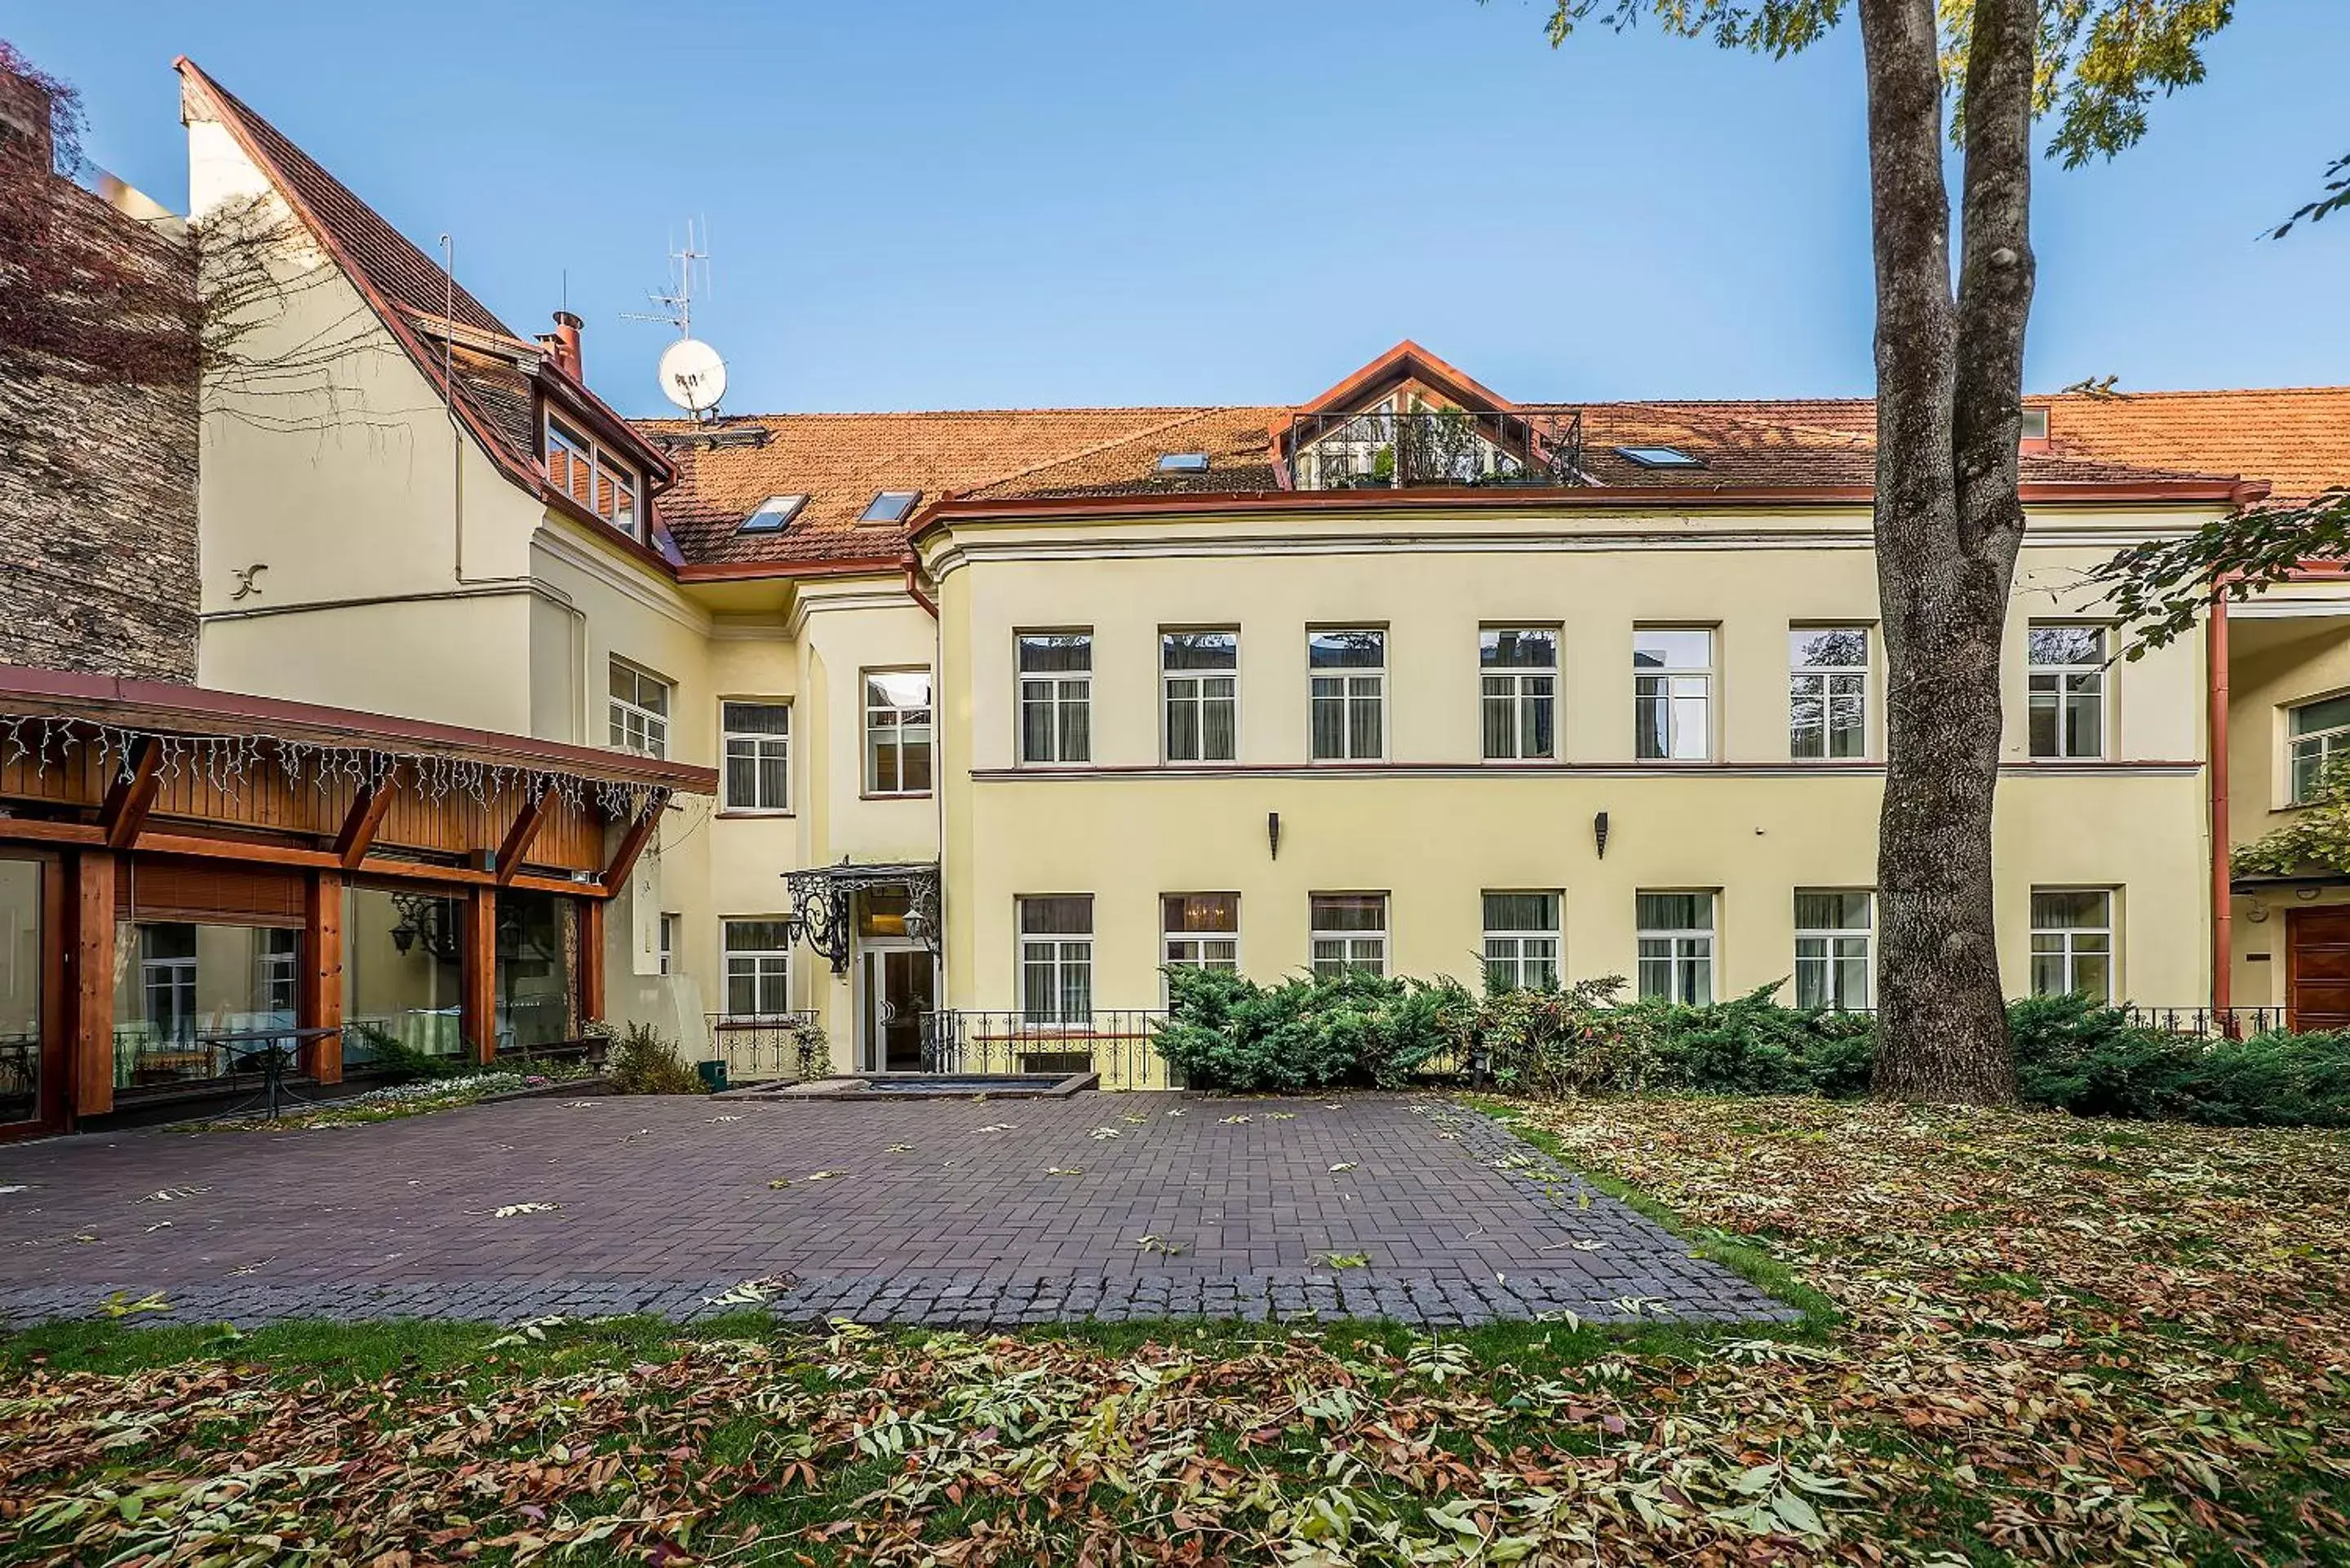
x,y
1676,938
1518,693
1056,685
898,731
1199,683
1831,957
758,757
1522,941
1659,457
2321,737
2066,700
1057,958
1201,930
774,515
758,966
2036,424
1672,693
1828,693
890,506
1348,931
669,928
639,710
1184,462
2072,943
590,477
1349,693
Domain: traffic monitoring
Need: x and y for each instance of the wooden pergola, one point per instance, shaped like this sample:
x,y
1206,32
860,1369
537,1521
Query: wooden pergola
x,y
241,804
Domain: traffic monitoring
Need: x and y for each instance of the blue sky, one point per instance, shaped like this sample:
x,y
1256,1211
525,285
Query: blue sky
x,y
1053,202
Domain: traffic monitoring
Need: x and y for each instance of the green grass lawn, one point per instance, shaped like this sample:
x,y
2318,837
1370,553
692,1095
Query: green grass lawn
x,y
2029,1339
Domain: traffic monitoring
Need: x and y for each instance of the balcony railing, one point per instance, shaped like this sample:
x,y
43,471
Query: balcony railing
x,y
1114,1042
767,1047
1379,451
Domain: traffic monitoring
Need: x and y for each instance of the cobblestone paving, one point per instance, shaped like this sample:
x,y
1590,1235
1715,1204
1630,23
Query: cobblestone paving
x,y
946,1212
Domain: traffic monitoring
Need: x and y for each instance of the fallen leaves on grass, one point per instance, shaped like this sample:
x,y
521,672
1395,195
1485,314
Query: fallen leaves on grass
x,y
2061,1342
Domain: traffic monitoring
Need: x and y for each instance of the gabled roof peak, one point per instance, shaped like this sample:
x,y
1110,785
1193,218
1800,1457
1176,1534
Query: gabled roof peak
x,y
1409,361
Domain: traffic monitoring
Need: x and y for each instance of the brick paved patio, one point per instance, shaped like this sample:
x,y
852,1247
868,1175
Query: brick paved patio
x,y
941,1213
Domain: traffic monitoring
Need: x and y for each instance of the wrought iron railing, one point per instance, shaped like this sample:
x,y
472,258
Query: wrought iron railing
x,y
1117,1043
1378,451
764,1046
2213,1024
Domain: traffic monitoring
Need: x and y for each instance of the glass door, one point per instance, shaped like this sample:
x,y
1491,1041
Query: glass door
x,y
32,1045
899,985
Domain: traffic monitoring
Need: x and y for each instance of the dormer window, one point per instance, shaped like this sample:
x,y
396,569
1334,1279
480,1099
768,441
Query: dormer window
x,y
2035,425
772,515
591,476
890,506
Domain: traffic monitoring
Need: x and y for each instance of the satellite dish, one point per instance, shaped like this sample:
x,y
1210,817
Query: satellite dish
x,y
692,375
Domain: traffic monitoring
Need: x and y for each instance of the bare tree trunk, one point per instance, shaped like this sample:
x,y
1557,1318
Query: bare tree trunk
x,y
1948,415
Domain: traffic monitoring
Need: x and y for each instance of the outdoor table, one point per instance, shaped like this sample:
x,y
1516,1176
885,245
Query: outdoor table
x,y
273,1058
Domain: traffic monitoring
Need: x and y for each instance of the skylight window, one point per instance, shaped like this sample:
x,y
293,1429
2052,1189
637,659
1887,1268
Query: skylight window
x,y
772,514
890,506
1659,457
2036,424
1184,462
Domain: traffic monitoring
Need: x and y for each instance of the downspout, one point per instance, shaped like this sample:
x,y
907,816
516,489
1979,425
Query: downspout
x,y
2215,658
939,774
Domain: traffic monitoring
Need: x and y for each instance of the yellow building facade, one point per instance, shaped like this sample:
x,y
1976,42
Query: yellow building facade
x,y
1010,709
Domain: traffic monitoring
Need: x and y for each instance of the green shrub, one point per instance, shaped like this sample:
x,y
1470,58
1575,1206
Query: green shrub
x,y
1223,1031
400,1063
2082,1057
644,1062
1582,1039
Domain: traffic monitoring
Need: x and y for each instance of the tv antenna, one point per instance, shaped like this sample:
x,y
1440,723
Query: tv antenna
x,y
692,375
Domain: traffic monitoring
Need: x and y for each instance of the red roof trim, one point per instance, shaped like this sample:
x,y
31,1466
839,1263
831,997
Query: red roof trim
x,y
752,571
1402,359
1582,498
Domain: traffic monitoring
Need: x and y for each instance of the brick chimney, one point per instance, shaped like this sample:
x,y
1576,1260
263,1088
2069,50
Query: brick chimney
x,y
564,342
25,128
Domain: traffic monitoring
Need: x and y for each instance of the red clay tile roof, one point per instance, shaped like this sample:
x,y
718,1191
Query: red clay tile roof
x,y
496,385
2297,438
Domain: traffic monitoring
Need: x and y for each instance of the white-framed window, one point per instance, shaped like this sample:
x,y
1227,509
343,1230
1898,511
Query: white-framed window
x,y
1517,671
1056,687
1347,669
669,926
897,732
1833,928
1348,930
756,958
1198,673
640,709
1201,930
276,952
1676,937
2072,943
584,471
1828,693
2320,737
1522,941
757,774
2066,702
1672,693
1057,958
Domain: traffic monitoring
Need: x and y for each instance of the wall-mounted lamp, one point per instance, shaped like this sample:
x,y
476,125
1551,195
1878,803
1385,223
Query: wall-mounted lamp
x,y
1273,832
1599,833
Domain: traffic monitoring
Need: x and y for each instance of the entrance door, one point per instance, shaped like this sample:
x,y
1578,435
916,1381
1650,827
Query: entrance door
x,y
32,997
899,985
2318,968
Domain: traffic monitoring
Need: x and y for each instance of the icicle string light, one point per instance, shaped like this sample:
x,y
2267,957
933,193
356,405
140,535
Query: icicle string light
x,y
224,762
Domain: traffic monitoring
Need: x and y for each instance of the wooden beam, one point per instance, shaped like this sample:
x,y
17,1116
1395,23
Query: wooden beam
x,y
259,853
632,845
479,986
93,984
132,796
591,960
320,1005
524,834
37,830
367,814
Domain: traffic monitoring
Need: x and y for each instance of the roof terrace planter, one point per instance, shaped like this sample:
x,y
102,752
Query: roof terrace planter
x,y
1344,449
